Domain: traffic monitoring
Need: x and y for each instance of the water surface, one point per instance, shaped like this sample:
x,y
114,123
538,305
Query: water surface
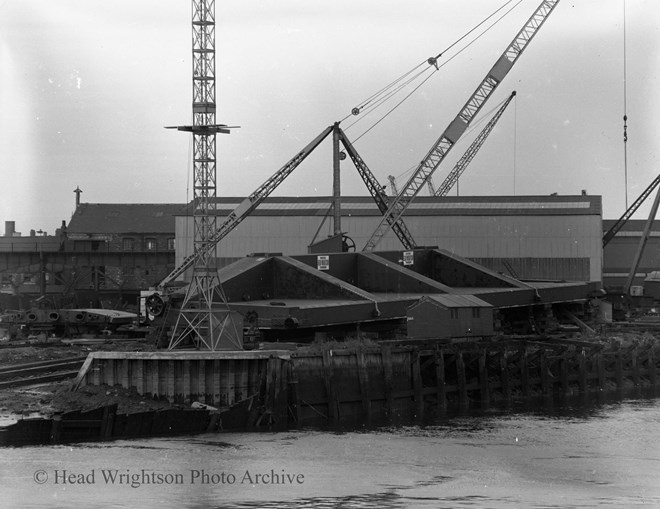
x,y
603,455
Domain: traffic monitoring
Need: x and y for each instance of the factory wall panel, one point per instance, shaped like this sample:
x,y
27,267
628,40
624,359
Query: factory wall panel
x,y
573,238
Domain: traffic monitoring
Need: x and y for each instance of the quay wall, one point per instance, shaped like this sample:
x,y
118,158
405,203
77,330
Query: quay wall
x,y
358,385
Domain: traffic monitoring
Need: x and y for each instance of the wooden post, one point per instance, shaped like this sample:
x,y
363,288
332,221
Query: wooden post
x,y
546,384
270,386
635,366
440,378
282,401
154,365
295,395
582,361
504,376
125,377
565,387
329,387
483,379
109,373
140,379
201,381
524,372
600,362
171,380
186,382
363,379
462,385
652,368
56,429
216,389
386,354
619,367
417,384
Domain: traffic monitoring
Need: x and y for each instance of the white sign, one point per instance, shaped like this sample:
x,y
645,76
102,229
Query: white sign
x,y
408,258
323,262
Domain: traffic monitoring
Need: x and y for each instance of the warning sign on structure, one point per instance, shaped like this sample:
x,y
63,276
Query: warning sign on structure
x,y
323,262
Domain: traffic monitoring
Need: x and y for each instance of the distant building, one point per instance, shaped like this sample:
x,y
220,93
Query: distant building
x,y
140,236
446,316
107,252
533,237
619,253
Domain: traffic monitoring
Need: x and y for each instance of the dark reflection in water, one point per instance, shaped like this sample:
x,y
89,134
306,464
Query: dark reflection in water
x,y
580,452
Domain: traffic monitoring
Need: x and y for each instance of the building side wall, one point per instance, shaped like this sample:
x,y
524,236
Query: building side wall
x,y
572,237
618,257
428,320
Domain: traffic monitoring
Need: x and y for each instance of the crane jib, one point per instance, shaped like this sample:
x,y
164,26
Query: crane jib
x,y
248,205
458,126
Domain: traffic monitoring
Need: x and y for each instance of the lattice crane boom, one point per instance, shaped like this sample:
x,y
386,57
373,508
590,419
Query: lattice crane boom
x,y
377,192
246,207
461,122
469,154
628,213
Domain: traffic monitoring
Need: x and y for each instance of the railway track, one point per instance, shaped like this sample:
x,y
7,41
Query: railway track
x,y
32,373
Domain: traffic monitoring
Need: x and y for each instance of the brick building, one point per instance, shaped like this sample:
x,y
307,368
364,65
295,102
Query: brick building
x,y
134,243
108,252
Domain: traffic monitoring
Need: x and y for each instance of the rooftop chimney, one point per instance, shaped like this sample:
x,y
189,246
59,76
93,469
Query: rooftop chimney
x,y
77,190
10,228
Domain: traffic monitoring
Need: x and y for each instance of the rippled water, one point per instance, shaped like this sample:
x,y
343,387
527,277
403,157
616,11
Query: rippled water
x,y
605,455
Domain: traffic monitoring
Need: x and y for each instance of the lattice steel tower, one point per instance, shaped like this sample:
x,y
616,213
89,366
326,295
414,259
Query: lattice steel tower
x,y
199,321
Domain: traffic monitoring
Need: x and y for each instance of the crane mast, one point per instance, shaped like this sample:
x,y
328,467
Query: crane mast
x,y
469,154
461,122
393,186
197,320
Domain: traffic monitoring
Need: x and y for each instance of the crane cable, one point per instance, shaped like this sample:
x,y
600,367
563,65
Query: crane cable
x,y
432,61
625,108
475,125
377,99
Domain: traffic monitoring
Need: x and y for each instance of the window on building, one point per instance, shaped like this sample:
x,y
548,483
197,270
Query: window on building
x,y
82,245
171,244
150,244
476,312
453,313
128,244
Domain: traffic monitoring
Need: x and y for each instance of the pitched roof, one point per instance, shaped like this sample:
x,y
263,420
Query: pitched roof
x,y
125,218
456,301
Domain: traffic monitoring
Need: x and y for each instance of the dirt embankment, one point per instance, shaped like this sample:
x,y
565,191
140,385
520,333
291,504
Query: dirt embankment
x,y
47,399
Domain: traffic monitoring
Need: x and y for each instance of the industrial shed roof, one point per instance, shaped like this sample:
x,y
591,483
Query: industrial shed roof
x,y
125,218
425,205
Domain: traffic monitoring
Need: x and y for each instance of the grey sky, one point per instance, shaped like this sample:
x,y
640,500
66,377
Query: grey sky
x,y
87,86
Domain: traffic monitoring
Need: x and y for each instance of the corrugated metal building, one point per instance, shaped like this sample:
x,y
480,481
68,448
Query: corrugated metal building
x,y
619,253
534,237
